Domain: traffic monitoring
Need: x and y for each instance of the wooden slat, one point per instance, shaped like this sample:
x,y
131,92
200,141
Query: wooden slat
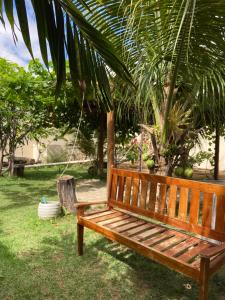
x,y
114,187
156,230
204,231
128,190
142,249
121,183
152,196
191,253
191,184
121,223
183,204
99,214
165,235
96,211
129,226
194,206
139,229
220,213
169,243
175,251
106,217
172,201
162,198
135,192
144,189
150,232
113,220
207,210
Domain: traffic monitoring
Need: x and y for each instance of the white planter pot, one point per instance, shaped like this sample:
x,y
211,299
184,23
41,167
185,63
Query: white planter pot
x,y
49,210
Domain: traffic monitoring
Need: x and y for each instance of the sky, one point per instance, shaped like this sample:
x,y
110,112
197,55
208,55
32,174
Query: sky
x,y
18,52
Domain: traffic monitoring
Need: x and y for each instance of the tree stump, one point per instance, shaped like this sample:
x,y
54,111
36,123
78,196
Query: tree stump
x,y
18,170
66,192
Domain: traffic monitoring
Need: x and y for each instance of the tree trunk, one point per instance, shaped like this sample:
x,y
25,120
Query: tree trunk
x,y
101,139
110,142
11,163
217,153
66,193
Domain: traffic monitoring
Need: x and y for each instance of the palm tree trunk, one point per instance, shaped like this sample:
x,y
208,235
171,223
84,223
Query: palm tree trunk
x,y
110,142
217,153
101,139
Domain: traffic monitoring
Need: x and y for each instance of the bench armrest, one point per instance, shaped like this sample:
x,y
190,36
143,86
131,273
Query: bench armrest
x,y
210,252
84,204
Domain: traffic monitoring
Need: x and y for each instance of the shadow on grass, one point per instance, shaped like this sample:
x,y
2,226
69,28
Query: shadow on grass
x,y
105,271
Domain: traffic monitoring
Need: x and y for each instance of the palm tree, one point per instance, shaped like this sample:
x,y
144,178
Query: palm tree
x,y
66,33
175,50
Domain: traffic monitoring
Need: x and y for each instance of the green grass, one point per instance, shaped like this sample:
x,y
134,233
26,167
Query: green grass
x,y
38,258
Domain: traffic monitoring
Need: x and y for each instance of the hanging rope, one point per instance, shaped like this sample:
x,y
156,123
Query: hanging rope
x,y
76,137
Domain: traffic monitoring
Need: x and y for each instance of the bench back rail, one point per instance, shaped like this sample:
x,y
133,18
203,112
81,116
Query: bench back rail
x,y
193,206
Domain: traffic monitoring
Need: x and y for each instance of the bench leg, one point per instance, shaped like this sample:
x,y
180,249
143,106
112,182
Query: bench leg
x,y
80,238
204,279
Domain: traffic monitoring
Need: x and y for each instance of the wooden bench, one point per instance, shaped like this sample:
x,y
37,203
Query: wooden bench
x,y
192,244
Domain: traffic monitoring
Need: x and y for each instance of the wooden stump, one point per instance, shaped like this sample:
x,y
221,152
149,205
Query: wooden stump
x,y
18,170
66,192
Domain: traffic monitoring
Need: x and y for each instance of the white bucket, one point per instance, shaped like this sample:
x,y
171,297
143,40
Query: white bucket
x,y
49,210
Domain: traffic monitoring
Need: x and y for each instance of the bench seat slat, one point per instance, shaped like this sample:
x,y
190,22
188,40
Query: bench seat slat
x,y
100,214
130,226
191,253
107,217
139,229
175,251
113,220
122,222
165,235
141,248
170,243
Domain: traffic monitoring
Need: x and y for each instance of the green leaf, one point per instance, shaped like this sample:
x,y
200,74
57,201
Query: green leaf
x,y
23,21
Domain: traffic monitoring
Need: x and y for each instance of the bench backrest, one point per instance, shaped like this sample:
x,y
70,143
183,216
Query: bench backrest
x,y
197,207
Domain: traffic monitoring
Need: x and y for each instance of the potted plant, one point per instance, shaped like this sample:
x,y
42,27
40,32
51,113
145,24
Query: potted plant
x,y
48,209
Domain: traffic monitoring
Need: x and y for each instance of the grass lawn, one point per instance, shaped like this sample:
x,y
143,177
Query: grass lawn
x,y
38,258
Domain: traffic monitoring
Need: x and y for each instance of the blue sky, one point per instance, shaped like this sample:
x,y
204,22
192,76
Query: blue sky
x,y
17,52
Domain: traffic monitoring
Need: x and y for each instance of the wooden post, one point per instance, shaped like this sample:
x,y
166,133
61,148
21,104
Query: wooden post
x,y
110,142
66,192
217,153
18,170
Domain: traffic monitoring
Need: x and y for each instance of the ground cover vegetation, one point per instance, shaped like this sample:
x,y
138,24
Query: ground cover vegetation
x,y
38,259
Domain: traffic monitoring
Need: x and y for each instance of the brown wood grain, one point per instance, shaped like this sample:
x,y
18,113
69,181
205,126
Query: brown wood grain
x,y
138,229
162,198
220,213
169,243
155,255
135,192
128,190
122,222
128,226
114,183
152,196
172,201
113,220
176,250
198,229
183,204
207,210
121,182
191,253
194,206
172,248
144,190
